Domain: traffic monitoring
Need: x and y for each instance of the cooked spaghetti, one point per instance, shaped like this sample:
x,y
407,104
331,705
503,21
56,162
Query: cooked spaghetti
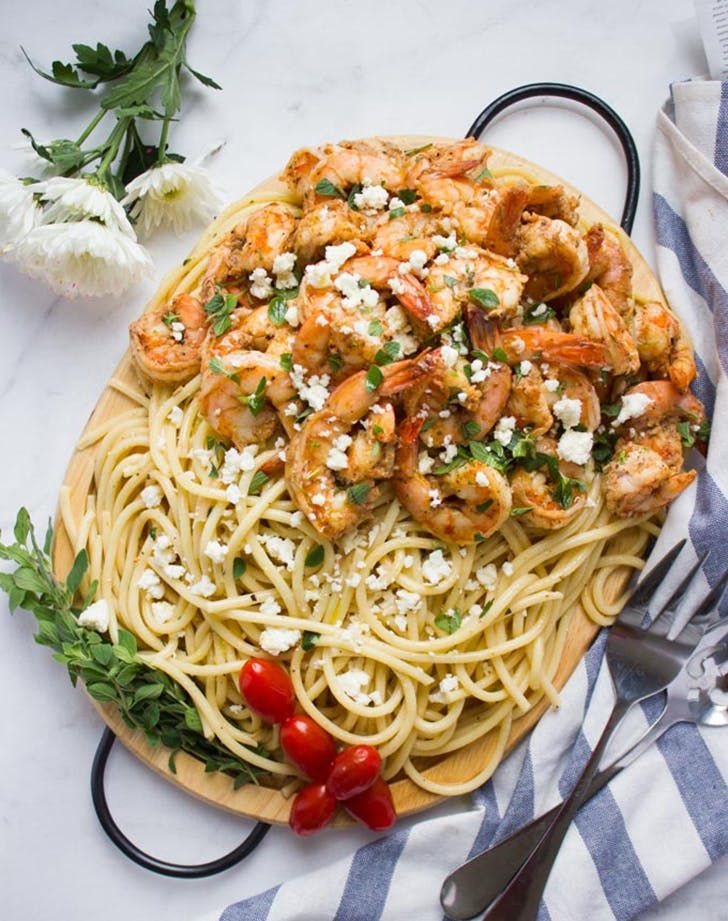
x,y
421,591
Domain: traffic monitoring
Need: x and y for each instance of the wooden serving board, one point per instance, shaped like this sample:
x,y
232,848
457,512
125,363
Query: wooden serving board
x,y
257,801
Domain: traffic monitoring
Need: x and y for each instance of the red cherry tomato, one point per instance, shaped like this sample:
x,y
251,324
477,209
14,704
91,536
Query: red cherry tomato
x,y
309,747
373,807
354,770
267,690
312,809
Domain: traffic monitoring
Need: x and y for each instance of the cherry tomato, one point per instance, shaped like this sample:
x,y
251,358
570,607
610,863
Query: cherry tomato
x,y
354,770
267,690
373,807
312,809
309,747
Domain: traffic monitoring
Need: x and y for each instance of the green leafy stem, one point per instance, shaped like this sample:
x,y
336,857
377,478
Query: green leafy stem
x,y
146,698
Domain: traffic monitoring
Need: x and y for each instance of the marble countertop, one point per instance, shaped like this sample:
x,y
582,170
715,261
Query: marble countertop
x,y
293,74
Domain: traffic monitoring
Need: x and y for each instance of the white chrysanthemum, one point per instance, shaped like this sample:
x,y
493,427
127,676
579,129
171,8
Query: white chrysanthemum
x,y
79,199
19,212
173,194
82,258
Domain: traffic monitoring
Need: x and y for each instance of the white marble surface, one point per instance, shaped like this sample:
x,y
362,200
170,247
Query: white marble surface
x,y
293,73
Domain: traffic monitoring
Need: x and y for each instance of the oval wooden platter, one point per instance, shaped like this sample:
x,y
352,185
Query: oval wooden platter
x,y
259,802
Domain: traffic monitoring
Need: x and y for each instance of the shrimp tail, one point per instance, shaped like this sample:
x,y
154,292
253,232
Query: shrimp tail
x,y
484,333
415,299
409,430
405,374
581,351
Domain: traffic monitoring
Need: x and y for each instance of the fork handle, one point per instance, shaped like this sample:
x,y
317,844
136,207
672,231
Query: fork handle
x,y
520,900
470,888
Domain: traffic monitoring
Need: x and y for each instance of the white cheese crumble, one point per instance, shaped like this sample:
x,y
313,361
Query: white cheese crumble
x,y
151,496
436,568
481,479
352,683
215,551
318,499
314,391
269,607
372,198
425,463
507,568
150,583
448,244
552,385
336,256
205,587
237,462
448,685
575,447
162,612
525,367
233,494
176,415
396,284
260,284
449,355
280,548
487,576
95,616
435,498
275,640
568,411
291,316
633,406
283,270
503,432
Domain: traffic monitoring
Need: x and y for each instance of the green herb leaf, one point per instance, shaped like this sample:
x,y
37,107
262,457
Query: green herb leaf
x,y
449,621
375,328
258,482
239,567
425,208
500,355
611,409
408,196
315,556
492,454
286,361
358,493
351,200
484,297
326,188
686,435
519,510
256,400
530,317
395,213
218,367
309,640
374,378
388,353
485,173
335,361
415,150
703,432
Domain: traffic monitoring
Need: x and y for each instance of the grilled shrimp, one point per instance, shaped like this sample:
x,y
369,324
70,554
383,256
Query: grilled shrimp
x,y
543,343
463,505
444,175
254,244
553,201
550,504
350,319
640,478
553,255
528,403
663,346
166,343
331,221
352,163
573,385
609,267
666,403
491,220
318,456
594,316
402,236
456,408
242,393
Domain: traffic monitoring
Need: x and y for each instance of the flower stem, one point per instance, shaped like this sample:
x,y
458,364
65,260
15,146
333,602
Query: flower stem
x,y
112,149
90,127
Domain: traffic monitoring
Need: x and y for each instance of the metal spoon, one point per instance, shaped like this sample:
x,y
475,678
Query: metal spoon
x,y
699,694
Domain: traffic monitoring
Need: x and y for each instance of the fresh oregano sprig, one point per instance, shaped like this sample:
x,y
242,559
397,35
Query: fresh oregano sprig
x,y
147,699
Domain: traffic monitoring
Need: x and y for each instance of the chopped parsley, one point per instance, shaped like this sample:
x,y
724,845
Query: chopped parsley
x,y
449,621
327,189
219,308
239,567
358,493
374,378
530,316
314,557
309,640
258,482
286,361
484,297
256,400
277,308
388,353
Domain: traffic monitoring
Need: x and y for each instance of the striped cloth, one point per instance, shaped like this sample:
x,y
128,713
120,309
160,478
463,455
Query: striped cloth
x,y
665,818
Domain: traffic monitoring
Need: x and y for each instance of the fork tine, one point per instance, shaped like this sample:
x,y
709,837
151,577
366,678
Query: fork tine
x,y
701,615
645,588
677,595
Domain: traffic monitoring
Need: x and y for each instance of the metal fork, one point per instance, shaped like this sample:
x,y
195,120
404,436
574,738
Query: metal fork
x,y
641,662
472,886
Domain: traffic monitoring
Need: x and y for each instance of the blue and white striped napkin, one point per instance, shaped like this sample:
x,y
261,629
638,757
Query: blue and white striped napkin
x,y
665,818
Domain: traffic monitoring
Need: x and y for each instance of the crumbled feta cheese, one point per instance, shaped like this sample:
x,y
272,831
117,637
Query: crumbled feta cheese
x,y
151,496
395,203
314,391
518,345
481,479
296,519
269,607
321,320
261,286
318,275
552,385
449,454
233,494
525,367
150,583
178,331
435,498
487,576
237,462
291,316
337,460
215,551
283,270
633,406
162,612
539,310
372,198
176,415
352,683
280,548
406,601
396,284
575,446
568,412
436,567
442,259
353,581
503,432
336,256
480,372
507,568
205,587
448,685
95,616
448,243
449,355
425,463
318,499
275,640
475,610
418,259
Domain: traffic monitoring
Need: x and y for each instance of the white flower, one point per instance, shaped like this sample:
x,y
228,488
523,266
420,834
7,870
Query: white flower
x,y
174,194
79,199
83,258
19,213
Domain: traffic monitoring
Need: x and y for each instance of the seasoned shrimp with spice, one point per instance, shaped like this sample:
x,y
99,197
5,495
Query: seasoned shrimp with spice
x,y
639,479
609,267
492,218
595,317
464,504
662,344
553,256
330,222
166,343
554,492
444,175
318,457
350,163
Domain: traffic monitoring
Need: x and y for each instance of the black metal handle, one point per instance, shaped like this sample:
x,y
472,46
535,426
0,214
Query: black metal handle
x,y
577,94
178,870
